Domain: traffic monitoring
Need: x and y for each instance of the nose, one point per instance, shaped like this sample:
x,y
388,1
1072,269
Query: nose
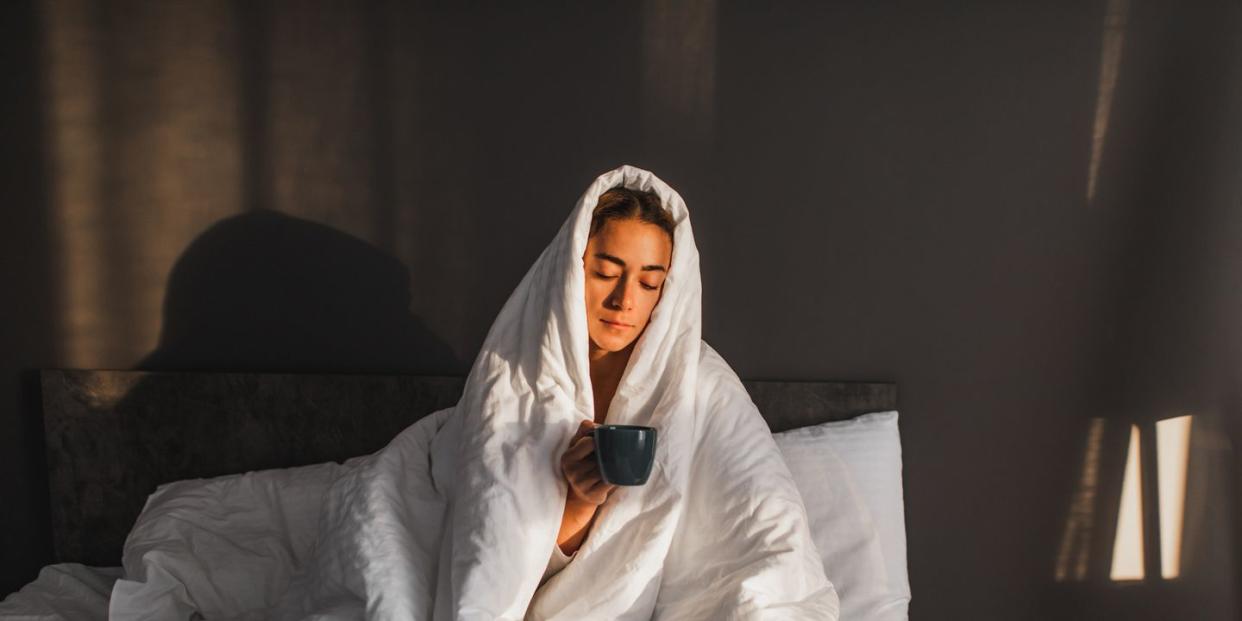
x,y
622,297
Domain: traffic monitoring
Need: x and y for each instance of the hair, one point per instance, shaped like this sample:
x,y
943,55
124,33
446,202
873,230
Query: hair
x,y
622,203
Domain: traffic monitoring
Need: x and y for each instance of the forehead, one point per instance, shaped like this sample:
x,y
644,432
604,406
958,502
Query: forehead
x,y
632,241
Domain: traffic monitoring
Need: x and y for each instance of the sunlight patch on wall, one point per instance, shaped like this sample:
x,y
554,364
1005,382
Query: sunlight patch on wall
x,y
1074,552
1128,545
71,80
142,155
1172,457
1110,65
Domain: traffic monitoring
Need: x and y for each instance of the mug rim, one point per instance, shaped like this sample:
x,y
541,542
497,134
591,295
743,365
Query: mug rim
x,y
643,427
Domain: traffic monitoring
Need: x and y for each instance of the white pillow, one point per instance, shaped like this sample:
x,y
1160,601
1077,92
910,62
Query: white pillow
x,y
849,475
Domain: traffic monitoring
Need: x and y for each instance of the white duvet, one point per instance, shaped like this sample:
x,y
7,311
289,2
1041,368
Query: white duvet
x,y
455,517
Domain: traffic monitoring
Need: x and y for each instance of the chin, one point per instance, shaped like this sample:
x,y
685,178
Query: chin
x,y
611,343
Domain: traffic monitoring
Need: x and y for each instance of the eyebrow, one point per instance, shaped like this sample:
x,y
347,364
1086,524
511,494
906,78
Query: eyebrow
x,y
645,268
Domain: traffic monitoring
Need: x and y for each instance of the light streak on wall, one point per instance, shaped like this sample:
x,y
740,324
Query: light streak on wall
x,y
1172,457
1110,66
75,172
1074,552
1128,544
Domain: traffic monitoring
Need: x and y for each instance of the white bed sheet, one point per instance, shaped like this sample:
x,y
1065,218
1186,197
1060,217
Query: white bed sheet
x,y
64,591
74,591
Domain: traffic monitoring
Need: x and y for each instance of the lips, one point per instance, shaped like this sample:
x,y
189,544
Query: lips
x,y
616,323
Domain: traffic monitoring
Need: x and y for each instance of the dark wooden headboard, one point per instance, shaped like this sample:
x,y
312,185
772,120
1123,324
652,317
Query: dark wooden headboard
x,y
113,436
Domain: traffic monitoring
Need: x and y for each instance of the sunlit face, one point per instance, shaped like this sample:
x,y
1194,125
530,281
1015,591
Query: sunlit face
x,y
625,263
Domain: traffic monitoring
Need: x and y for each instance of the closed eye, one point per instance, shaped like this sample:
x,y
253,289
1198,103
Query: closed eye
x,y
645,285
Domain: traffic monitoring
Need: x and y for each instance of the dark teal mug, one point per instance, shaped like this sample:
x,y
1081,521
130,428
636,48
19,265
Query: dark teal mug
x,y
625,453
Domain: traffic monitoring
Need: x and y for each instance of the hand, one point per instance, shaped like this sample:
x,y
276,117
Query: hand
x,y
586,485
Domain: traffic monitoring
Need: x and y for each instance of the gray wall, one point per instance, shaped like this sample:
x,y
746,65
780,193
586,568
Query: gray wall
x,y
898,192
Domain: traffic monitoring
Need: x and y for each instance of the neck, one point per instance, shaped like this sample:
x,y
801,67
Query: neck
x,y
606,363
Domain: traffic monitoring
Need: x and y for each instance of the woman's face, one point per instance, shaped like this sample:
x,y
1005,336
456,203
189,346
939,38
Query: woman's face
x,y
625,263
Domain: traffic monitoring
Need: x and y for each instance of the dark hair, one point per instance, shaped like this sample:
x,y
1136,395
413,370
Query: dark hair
x,y
622,203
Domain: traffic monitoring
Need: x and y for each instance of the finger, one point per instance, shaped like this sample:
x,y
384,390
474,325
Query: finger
x,y
584,428
588,479
582,490
597,496
585,470
582,471
577,473
601,489
570,457
580,449
573,454
585,481
601,484
576,439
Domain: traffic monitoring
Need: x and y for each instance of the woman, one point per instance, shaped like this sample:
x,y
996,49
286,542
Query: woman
x,y
626,261
464,514
717,532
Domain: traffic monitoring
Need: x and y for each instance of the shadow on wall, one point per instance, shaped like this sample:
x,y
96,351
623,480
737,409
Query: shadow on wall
x,y
264,291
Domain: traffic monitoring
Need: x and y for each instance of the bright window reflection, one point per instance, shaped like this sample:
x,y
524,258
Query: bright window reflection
x,y
1172,456
1128,545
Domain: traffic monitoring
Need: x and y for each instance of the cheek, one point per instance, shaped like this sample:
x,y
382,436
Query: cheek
x,y
594,297
650,307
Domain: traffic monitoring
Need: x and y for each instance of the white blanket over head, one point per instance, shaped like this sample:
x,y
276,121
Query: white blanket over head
x,y
455,518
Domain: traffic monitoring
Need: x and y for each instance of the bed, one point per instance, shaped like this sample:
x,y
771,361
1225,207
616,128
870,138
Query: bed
x,y
114,436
